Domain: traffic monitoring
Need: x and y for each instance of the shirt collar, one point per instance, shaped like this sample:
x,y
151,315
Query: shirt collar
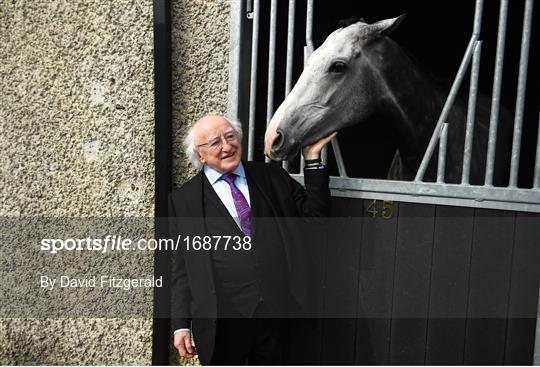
x,y
213,175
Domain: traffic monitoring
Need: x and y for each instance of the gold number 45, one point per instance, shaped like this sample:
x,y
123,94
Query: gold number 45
x,y
386,211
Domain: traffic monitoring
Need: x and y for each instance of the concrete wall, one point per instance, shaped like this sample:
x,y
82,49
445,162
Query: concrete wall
x,y
76,138
200,53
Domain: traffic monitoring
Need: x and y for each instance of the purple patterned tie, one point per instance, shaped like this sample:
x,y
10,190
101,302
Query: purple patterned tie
x,y
241,204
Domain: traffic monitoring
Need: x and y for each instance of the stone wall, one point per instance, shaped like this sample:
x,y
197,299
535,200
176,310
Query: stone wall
x,y
77,140
200,53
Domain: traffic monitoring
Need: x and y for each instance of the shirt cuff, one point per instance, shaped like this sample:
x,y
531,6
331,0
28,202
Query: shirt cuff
x,y
179,330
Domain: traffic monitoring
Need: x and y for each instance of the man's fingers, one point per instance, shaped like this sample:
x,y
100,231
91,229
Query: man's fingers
x,y
323,141
180,344
189,346
329,137
187,343
181,349
313,151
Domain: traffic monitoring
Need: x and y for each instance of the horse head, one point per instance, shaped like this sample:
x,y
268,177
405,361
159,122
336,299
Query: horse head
x,y
338,87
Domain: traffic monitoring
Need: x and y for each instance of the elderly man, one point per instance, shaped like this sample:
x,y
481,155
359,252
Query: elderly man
x,y
232,296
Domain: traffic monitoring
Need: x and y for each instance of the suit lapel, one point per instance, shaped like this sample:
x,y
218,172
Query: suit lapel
x,y
256,194
254,198
196,209
259,187
194,203
212,198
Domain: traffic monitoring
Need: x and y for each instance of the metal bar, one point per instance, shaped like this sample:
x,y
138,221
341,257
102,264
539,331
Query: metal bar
x,y
235,25
473,93
471,113
496,95
520,98
290,47
446,109
438,200
290,55
324,155
441,166
271,64
478,9
477,25
339,158
253,81
536,182
436,193
309,31
308,50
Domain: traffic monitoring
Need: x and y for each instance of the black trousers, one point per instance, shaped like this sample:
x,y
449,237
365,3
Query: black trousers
x,y
250,341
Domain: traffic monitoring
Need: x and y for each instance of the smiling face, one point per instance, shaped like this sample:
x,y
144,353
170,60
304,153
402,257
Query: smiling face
x,y
226,154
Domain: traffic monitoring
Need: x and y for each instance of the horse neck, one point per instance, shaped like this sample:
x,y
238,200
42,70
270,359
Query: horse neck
x,y
410,100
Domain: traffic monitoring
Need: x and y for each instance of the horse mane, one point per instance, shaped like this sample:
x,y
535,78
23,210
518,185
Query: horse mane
x,y
342,23
444,82
441,81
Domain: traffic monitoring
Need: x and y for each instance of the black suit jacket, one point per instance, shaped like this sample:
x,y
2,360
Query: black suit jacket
x,y
273,194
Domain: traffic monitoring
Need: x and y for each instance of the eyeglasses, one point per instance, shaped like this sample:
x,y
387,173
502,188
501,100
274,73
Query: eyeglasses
x,y
217,143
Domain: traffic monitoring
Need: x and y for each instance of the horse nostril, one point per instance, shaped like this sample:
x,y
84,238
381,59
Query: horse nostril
x,y
278,142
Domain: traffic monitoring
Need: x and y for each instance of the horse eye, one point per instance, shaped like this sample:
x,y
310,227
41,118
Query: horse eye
x,y
337,67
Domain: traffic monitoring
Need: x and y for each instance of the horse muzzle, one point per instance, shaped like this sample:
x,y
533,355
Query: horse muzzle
x,y
276,147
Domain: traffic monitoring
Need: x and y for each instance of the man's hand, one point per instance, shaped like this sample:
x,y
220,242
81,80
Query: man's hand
x,y
182,343
313,151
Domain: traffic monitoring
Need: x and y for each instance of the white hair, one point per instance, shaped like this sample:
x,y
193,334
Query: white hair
x,y
190,146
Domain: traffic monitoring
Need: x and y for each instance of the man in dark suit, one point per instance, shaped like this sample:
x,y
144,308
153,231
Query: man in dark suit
x,y
232,296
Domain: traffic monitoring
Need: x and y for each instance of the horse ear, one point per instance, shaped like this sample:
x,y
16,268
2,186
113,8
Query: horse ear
x,y
387,26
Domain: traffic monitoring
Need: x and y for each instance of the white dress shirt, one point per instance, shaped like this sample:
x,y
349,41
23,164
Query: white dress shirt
x,y
223,190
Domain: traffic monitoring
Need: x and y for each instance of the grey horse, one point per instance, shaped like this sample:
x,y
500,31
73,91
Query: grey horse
x,y
359,72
